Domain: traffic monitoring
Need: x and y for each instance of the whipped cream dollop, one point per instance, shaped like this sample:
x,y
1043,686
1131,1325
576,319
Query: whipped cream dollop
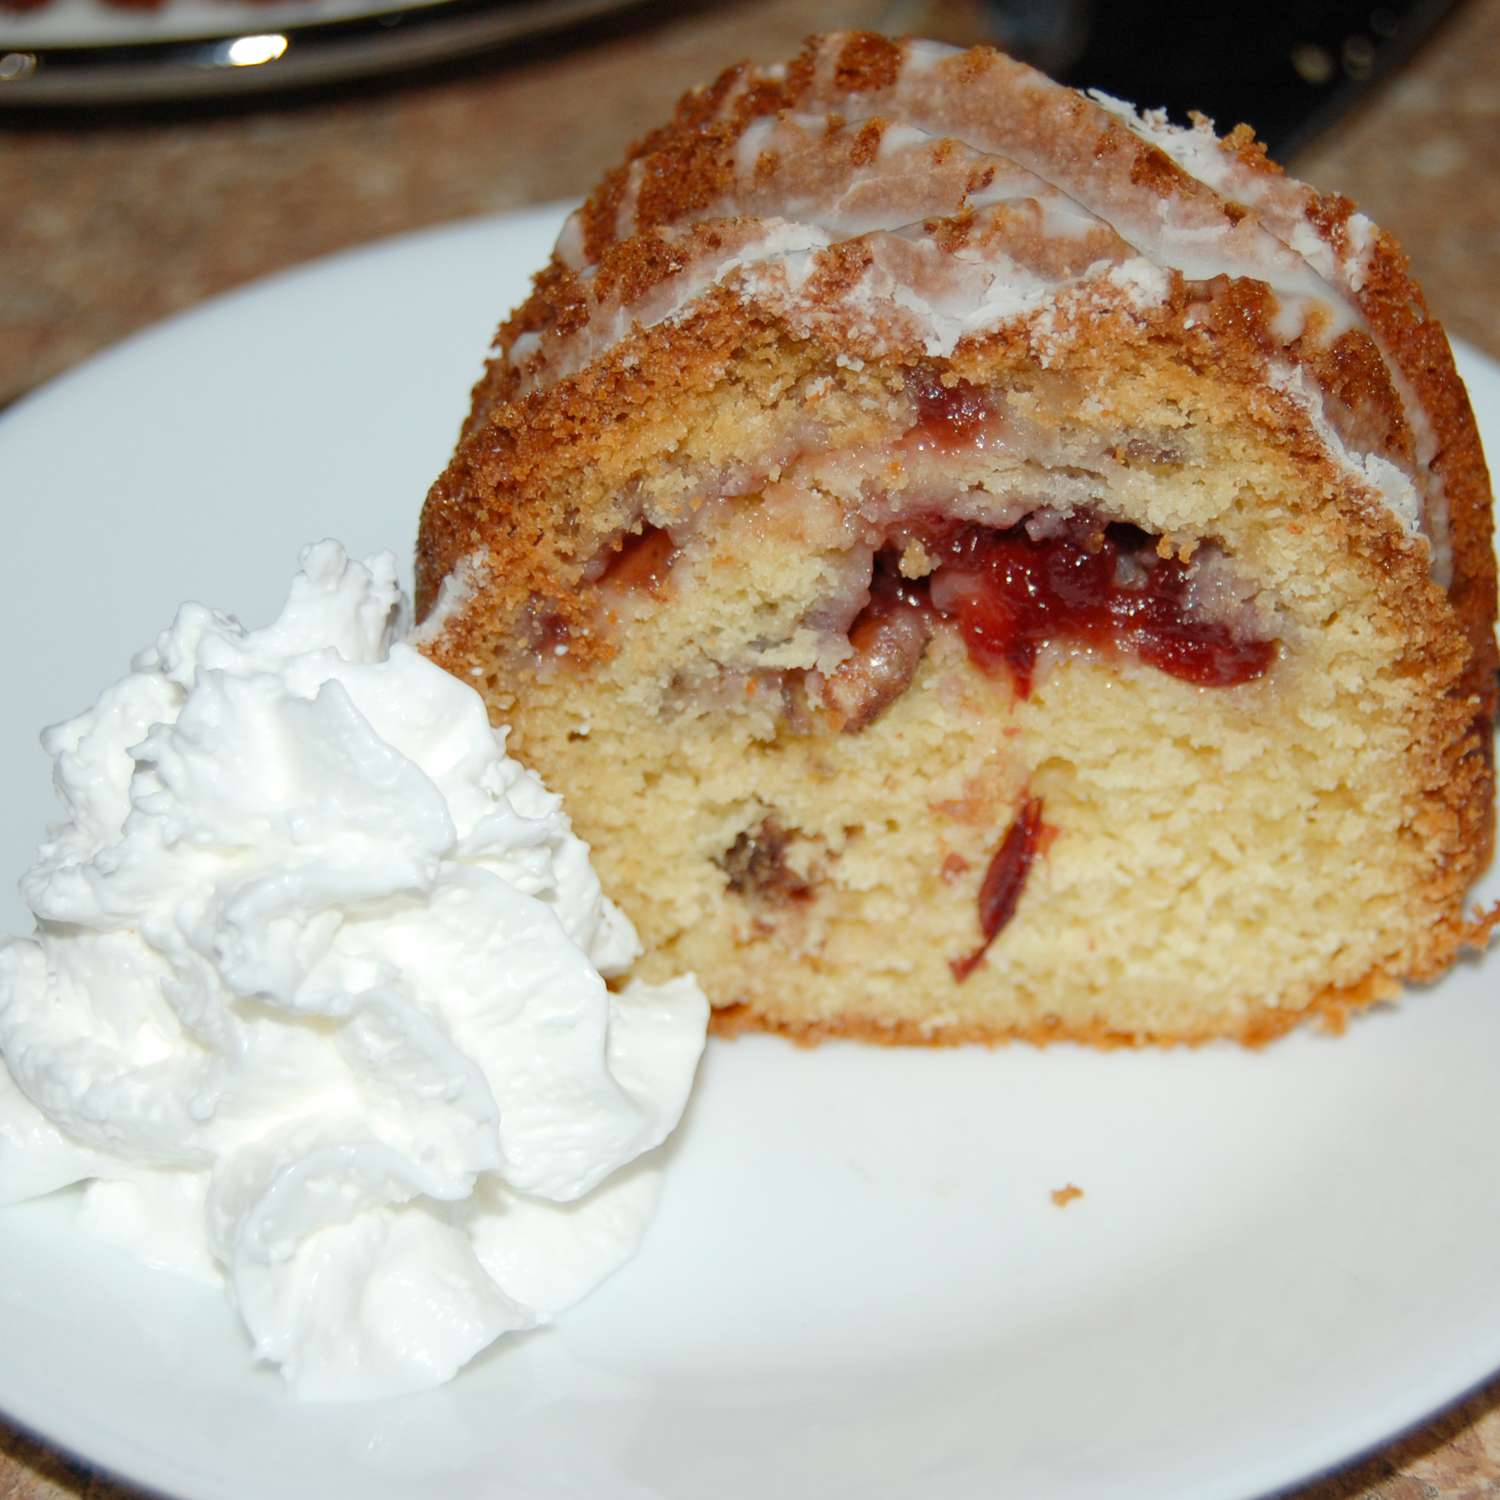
x,y
316,999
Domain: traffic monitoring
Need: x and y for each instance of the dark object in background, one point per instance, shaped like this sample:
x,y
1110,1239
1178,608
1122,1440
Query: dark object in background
x,y
1286,69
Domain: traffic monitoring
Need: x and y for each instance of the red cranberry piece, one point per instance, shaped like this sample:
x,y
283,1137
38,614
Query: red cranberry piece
x,y
1158,622
948,416
1015,594
1004,880
1207,655
1012,593
642,562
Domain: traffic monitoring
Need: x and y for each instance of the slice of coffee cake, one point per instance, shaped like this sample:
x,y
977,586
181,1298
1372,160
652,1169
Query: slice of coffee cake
x,y
981,563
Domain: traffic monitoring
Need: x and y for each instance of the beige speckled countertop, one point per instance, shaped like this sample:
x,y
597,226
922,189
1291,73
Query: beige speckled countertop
x,y
111,225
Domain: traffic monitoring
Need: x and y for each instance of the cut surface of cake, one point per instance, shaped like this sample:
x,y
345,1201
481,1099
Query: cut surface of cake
x,y
983,563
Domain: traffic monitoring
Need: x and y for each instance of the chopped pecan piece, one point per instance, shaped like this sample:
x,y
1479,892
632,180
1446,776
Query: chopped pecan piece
x,y
888,640
757,867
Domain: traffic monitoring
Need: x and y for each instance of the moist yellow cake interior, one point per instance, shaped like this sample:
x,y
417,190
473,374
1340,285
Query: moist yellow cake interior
x,y
1212,858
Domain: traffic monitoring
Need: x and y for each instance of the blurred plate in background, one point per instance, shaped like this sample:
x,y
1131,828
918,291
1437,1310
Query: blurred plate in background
x,y
96,23
71,52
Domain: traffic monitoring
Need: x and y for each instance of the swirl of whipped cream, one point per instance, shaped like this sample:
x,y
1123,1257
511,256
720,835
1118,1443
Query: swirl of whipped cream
x,y
314,1001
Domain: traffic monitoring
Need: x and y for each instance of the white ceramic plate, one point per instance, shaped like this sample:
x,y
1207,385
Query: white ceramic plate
x,y
858,1285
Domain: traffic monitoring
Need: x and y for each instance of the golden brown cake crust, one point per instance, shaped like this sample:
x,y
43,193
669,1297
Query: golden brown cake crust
x,y
688,164
548,440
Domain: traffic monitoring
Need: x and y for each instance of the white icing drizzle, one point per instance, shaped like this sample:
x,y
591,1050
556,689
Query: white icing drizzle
x,y
1393,484
1280,203
1050,221
468,576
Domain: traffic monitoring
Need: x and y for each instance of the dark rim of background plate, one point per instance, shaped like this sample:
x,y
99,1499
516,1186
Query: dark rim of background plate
x,y
184,71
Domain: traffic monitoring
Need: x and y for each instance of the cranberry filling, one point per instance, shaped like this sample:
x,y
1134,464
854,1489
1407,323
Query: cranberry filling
x,y
1011,593
948,416
642,562
1004,880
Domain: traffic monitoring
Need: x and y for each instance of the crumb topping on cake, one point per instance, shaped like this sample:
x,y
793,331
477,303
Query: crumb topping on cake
x,y
909,197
